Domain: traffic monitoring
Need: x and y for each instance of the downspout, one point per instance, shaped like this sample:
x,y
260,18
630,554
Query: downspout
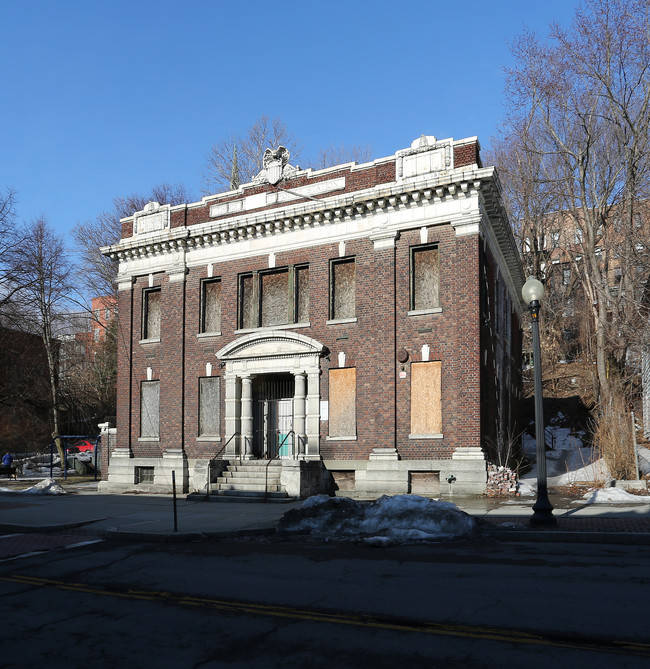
x,y
395,372
183,369
131,372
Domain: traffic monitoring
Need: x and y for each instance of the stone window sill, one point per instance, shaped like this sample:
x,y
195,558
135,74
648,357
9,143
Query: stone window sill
x,y
204,438
341,438
156,439
339,321
424,312
425,436
201,335
150,341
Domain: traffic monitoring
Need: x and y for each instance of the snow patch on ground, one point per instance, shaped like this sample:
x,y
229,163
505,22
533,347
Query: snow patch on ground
x,y
45,487
385,522
567,463
614,495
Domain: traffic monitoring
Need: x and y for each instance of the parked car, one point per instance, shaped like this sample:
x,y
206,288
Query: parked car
x,y
82,446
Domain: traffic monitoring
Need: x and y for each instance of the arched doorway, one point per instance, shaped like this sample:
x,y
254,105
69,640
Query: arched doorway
x,y
273,395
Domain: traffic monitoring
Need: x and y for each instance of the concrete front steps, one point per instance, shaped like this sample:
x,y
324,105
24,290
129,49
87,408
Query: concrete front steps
x,y
247,481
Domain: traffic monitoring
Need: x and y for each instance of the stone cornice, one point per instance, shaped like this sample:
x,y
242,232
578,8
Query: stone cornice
x,y
170,245
306,215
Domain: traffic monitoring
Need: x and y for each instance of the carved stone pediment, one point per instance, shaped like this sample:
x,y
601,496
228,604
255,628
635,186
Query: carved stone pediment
x,y
271,344
153,218
426,155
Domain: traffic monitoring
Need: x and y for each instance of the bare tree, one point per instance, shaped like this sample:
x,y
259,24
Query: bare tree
x,y
247,150
333,155
578,130
43,273
96,272
9,238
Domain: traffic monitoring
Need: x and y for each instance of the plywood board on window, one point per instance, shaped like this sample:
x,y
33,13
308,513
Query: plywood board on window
x,y
275,304
426,404
343,289
344,480
212,306
424,483
150,409
342,402
209,405
152,326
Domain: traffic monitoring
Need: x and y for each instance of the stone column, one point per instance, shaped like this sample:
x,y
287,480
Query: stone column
x,y
233,395
299,414
313,416
247,417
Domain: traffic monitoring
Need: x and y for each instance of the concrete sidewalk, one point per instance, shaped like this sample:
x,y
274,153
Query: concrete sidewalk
x,y
151,517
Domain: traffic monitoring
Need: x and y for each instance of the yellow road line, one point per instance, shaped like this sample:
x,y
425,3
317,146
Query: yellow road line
x,y
358,620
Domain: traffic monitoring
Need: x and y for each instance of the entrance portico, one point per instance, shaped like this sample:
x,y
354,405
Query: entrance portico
x,y
260,367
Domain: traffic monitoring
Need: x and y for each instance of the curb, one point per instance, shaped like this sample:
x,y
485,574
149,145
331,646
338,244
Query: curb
x,y
46,529
561,536
185,537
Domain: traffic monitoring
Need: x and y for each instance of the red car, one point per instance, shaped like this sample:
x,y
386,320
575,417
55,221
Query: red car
x,y
81,446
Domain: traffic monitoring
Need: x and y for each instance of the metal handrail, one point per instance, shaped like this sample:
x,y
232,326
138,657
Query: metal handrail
x,y
219,452
64,464
551,437
277,455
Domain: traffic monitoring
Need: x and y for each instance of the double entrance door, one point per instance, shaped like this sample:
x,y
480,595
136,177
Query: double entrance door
x,y
273,416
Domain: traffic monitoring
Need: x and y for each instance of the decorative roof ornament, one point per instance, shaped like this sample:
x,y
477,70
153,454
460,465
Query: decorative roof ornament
x,y
423,141
275,166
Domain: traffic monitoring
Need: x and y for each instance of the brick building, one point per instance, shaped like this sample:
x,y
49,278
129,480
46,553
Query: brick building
x,y
359,325
25,394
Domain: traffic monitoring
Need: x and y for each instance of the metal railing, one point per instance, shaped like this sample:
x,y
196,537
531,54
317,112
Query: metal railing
x,y
277,455
96,439
549,438
219,452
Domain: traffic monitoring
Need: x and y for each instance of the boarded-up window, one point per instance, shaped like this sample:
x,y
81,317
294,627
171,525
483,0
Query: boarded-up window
x,y
425,278
275,298
151,314
211,306
302,294
342,402
343,289
426,404
150,409
424,483
209,406
247,315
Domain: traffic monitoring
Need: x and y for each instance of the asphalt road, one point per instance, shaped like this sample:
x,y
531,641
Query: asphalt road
x,y
271,603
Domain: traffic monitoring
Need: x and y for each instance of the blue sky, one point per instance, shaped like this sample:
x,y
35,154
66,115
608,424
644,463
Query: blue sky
x,y
101,99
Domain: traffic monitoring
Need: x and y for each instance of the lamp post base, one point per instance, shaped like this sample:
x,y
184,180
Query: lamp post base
x,y
543,514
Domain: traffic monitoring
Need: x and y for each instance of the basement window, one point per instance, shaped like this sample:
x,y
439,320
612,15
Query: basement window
x,y
144,474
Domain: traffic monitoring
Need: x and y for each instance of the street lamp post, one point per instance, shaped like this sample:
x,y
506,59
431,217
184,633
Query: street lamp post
x,y
533,292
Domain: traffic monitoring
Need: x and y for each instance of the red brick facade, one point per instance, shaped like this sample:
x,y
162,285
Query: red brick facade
x,y
377,219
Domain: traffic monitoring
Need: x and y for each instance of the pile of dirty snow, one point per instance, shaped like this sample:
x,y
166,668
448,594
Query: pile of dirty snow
x,y
386,521
44,487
